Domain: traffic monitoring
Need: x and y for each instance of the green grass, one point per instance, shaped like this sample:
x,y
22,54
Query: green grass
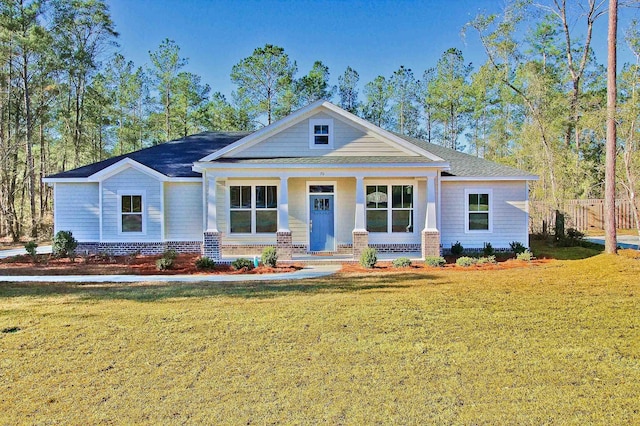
x,y
551,344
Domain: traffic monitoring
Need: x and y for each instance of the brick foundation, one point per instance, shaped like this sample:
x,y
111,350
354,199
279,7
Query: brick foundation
x,y
397,248
122,248
360,242
430,243
284,245
211,246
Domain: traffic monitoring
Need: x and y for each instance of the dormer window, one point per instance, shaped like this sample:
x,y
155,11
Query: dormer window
x,y
321,134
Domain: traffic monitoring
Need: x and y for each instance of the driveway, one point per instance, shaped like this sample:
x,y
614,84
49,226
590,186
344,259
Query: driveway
x,y
19,251
624,241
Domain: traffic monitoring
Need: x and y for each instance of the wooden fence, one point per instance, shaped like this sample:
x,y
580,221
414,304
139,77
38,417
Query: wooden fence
x,y
583,215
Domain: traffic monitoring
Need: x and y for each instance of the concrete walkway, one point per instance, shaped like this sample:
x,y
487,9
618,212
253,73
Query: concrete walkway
x,y
309,271
624,241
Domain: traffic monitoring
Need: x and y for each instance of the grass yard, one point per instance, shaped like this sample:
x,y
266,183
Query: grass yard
x,y
557,343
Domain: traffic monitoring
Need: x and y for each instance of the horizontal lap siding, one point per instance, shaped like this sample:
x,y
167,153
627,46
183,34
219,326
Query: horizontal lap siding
x,y
131,180
510,220
294,141
183,211
77,209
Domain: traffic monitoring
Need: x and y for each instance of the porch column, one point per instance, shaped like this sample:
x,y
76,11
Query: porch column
x,y
430,233
360,235
284,241
212,243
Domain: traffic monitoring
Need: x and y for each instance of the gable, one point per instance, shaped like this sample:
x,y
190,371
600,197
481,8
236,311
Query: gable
x,y
348,140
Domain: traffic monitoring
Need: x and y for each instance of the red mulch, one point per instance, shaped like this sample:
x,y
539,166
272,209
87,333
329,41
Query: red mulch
x,y
120,265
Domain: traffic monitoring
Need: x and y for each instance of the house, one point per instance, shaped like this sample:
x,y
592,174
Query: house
x,y
321,180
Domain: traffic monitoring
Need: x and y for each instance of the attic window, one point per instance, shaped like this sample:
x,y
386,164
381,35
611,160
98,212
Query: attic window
x,y
320,134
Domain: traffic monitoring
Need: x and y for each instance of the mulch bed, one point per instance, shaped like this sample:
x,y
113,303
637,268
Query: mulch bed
x,y
121,265
450,265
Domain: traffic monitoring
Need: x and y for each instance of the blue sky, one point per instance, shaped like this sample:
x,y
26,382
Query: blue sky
x,y
373,37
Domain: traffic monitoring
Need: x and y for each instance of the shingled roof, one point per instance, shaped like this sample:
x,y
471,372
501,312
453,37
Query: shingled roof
x,y
173,159
176,158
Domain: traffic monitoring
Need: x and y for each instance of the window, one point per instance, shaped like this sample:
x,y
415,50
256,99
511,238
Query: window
x,y
321,134
131,213
383,216
478,210
253,209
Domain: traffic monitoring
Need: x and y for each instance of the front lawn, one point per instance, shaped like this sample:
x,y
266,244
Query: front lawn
x,y
556,343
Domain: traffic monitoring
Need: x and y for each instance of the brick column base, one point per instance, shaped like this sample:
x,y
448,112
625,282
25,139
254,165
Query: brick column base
x,y
430,243
284,245
211,246
360,242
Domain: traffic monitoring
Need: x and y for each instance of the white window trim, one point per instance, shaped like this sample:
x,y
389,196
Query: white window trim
x,y
142,194
389,185
252,184
468,191
320,122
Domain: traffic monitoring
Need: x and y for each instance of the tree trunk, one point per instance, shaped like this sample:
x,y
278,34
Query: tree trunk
x,y
610,162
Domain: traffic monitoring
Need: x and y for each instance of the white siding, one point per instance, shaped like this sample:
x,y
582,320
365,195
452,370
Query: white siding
x,y
183,211
348,141
298,211
132,180
509,214
77,209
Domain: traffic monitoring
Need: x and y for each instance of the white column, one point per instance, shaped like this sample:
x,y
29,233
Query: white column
x,y
283,205
430,223
360,200
212,207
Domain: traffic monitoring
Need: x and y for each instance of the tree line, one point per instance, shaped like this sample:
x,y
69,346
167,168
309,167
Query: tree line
x,y
68,98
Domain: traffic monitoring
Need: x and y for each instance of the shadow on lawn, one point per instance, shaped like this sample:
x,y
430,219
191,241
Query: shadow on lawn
x,y
149,292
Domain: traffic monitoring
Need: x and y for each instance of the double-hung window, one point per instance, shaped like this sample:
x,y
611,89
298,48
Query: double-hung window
x,y
320,133
390,208
131,213
253,209
478,210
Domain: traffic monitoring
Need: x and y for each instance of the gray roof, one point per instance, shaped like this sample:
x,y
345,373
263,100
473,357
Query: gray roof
x,y
176,158
465,165
173,159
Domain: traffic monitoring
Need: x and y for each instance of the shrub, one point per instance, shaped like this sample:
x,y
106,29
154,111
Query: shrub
x,y
369,257
401,262
164,263
170,254
526,255
486,259
241,263
435,261
205,262
488,249
64,245
517,247
269,257
30,247
574,234
457,249
466,261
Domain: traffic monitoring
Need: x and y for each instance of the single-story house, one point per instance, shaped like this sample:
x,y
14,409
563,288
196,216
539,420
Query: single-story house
x,y
320,180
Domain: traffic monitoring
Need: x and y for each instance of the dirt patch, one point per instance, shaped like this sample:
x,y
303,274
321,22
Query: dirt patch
x,y
121,265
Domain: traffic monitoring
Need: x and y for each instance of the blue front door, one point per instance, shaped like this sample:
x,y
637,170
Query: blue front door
x,y
321,235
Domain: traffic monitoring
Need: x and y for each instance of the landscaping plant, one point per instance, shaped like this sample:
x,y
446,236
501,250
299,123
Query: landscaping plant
x,y
517,247
401,262
64,245
241,263
369,257
466,261
205,262
488,250
435,261
30,247
269,257
457,249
